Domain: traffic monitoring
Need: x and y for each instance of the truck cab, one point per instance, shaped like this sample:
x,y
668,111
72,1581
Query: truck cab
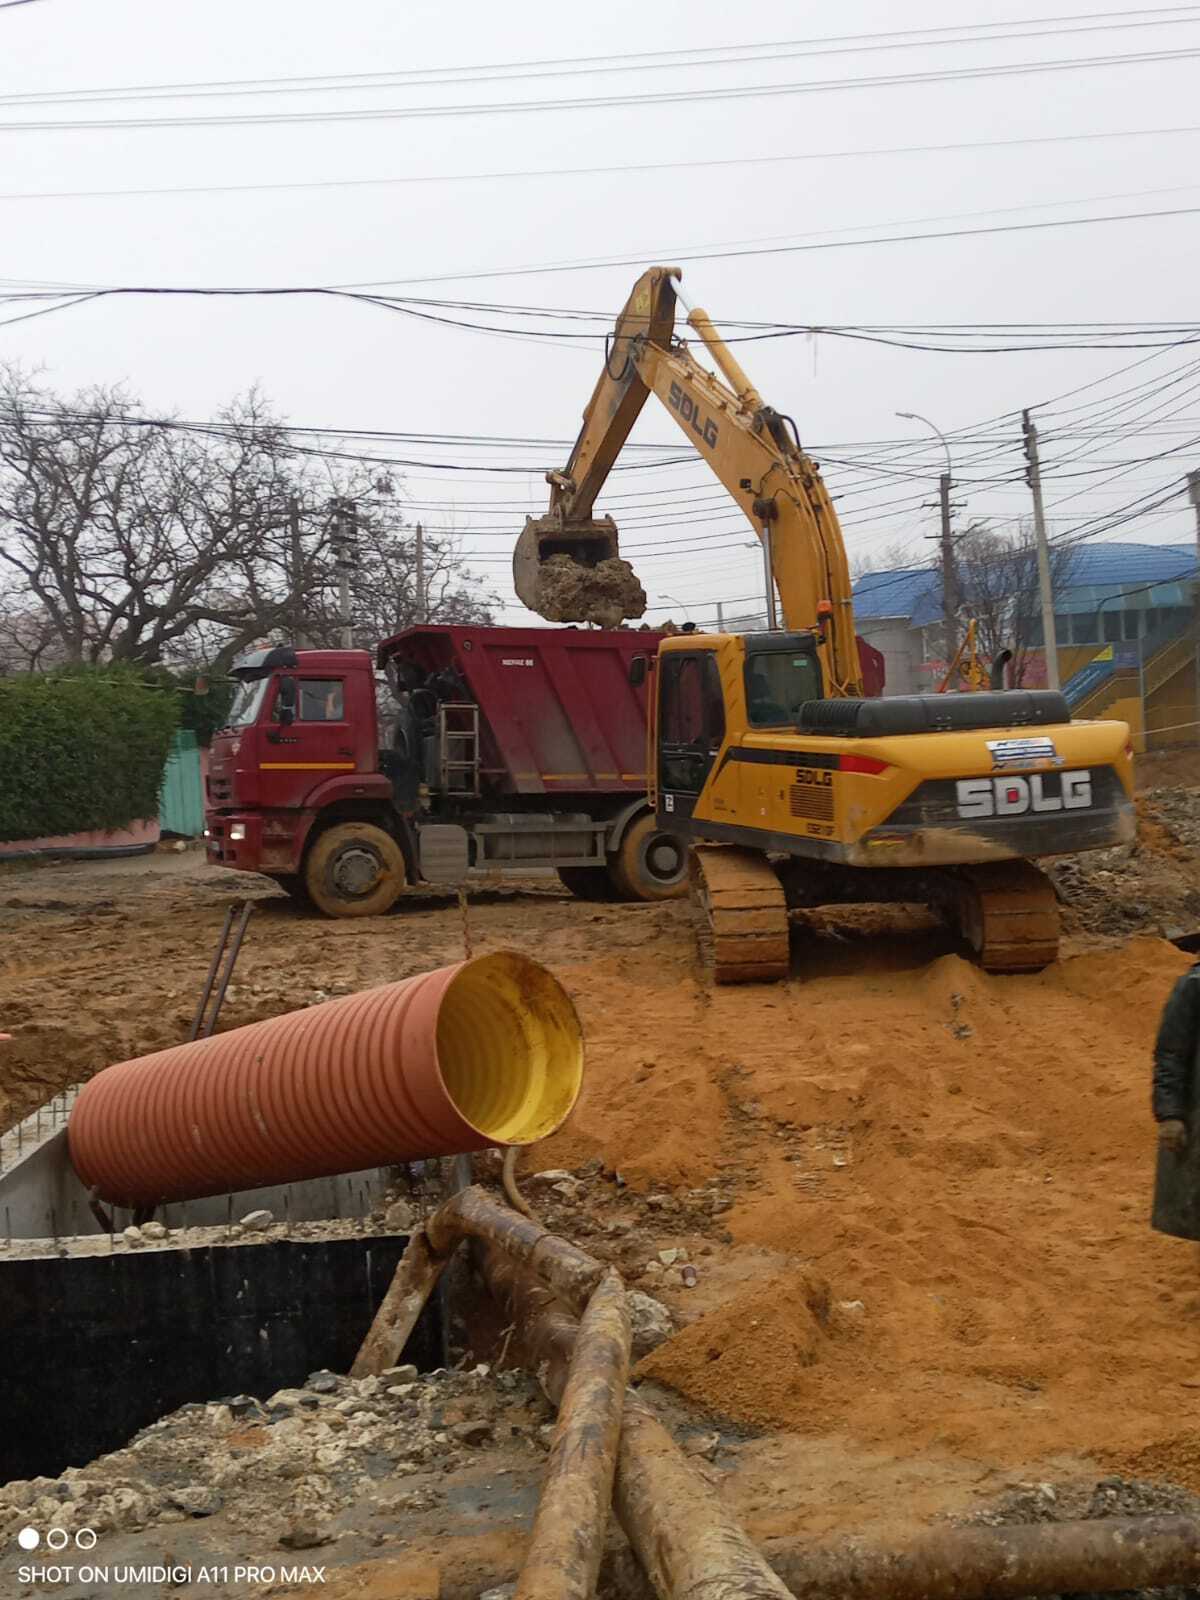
x,y
301,737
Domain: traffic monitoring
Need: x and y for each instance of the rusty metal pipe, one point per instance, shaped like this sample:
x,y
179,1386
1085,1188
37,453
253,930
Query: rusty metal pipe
x,y
482,1053
567,1541
570,1272
1099,1555
415,1279
689,1545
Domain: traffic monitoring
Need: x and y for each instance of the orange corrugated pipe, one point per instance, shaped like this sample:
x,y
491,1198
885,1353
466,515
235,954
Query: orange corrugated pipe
x,y
483,1053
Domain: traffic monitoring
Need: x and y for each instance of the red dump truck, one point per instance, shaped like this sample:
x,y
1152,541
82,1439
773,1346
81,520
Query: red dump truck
x,y
489,749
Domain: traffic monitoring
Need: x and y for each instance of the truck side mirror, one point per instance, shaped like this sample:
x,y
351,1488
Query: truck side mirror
x,y
637,671
285,702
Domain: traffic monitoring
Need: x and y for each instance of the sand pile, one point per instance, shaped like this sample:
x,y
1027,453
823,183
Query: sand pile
x,y
968,1156
605,594
749,1358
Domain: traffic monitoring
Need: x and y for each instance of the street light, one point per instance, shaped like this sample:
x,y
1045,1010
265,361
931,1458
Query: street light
x,y
949,575
915,416
675,601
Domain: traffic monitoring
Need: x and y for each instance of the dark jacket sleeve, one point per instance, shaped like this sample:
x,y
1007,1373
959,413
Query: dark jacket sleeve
x,y
1175,1050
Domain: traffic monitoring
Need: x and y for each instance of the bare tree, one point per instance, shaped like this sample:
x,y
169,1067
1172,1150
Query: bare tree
x,y
384,587
894,556
124,537
998,584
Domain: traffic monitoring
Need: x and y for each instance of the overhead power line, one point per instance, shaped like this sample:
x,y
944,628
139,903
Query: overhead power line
x,y
621,60
956,338
968,33
533,174
610,102
793,249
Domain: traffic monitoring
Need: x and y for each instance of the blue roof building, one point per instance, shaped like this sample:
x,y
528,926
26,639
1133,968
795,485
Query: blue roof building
x,y
1124,613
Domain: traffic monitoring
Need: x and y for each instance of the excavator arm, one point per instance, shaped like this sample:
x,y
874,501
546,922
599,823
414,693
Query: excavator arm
x,y
746,443
568,529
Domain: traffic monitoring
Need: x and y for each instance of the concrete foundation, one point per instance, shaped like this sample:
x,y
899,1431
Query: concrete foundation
x,y
98,1345
102,1336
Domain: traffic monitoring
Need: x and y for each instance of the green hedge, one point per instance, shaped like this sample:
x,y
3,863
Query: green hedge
x,y
81,750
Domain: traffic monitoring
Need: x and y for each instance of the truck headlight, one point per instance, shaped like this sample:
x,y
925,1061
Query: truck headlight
x,y
237,832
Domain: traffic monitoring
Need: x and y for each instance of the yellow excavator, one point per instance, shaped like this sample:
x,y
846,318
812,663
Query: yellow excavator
x,y
795,789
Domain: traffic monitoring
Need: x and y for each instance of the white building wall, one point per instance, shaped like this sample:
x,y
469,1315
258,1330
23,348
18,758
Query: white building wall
x,y
901,648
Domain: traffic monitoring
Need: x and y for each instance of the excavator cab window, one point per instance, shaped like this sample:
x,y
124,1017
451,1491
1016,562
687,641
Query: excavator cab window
x,y
778,682
691,725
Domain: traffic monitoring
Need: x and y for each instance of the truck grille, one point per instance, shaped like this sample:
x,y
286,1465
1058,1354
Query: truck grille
x,y
811,801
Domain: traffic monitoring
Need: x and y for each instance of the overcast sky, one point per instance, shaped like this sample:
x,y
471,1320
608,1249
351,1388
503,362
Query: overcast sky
x,y
348,366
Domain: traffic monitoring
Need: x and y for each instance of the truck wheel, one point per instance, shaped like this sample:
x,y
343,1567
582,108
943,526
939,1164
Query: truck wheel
x,y
587,883
650,863
354,870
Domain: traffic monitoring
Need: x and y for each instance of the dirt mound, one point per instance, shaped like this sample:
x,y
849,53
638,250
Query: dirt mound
x,y
749,1358
1172,1460
1152,885
605,594
968,1156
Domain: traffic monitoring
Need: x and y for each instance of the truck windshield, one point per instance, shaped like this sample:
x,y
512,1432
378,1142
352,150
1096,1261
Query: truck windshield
x,y
778,682
246,702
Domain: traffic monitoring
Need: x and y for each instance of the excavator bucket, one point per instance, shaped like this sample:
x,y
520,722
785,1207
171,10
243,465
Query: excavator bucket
x,y
571,572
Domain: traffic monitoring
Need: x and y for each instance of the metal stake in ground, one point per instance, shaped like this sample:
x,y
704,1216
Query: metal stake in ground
x,y
466,923
202,1025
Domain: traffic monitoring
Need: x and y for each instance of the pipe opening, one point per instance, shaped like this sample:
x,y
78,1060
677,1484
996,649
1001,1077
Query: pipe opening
x,y
510,1048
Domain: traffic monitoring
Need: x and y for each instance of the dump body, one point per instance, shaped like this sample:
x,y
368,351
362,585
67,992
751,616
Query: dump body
x,y
558,715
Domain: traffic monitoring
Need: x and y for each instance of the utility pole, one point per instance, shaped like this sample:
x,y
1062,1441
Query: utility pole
x,y
720,617
297,572
1034,478
949,571
1193,483
345,527
422,607
950,594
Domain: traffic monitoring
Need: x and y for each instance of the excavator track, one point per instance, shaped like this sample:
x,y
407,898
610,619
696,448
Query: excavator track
x,y
743,922
1008,913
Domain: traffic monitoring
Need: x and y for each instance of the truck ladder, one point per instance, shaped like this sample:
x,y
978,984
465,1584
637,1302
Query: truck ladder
x,y
458,748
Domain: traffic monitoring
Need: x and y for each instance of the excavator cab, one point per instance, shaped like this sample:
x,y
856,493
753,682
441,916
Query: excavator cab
x,y
782,673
